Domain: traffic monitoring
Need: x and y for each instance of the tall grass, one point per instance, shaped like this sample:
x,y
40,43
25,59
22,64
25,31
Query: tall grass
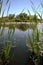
x,y
7,47
6,53
34,44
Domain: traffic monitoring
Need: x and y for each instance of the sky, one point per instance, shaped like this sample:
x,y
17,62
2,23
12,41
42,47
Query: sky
x,y
16,6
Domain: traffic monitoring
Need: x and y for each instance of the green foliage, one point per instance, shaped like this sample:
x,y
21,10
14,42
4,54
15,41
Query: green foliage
x,y
31,42
35,18
1,2
22,17
37,47
34,39
11,16
34,44
38,35
17,19
6,49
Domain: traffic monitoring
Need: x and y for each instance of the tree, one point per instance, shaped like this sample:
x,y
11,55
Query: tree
x,y
22,17
11,16
35,18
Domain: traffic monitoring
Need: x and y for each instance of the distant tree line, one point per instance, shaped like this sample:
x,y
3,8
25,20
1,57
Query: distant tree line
x,y
22,17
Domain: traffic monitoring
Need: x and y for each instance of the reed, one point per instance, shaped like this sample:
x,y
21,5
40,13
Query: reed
x,y
34,42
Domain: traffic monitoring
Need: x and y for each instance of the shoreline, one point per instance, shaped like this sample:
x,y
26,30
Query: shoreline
x,y
8,23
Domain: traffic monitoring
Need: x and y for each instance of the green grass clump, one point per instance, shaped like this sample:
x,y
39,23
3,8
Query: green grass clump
x,y
34,45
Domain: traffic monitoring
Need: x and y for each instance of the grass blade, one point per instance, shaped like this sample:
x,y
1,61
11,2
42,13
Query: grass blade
x,y
7,2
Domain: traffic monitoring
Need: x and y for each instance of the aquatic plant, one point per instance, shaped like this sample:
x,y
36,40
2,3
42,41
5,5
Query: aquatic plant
x,y
35,45
6,49
6,52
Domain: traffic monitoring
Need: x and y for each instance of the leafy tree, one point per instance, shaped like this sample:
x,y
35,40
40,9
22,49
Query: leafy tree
x,y
22,17
11,16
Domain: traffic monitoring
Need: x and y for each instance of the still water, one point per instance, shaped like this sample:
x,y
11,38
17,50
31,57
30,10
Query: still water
x,y
19,40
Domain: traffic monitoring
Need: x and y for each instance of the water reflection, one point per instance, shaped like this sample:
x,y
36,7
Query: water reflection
x,y
23,27
18,34
39,26
19,39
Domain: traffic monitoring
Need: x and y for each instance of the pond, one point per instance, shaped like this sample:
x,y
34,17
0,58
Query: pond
x,y
19,39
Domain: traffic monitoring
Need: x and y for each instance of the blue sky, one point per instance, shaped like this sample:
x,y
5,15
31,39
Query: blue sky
x,y
18,5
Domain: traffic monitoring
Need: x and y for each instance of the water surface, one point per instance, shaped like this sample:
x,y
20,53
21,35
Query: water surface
x,y
19,40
